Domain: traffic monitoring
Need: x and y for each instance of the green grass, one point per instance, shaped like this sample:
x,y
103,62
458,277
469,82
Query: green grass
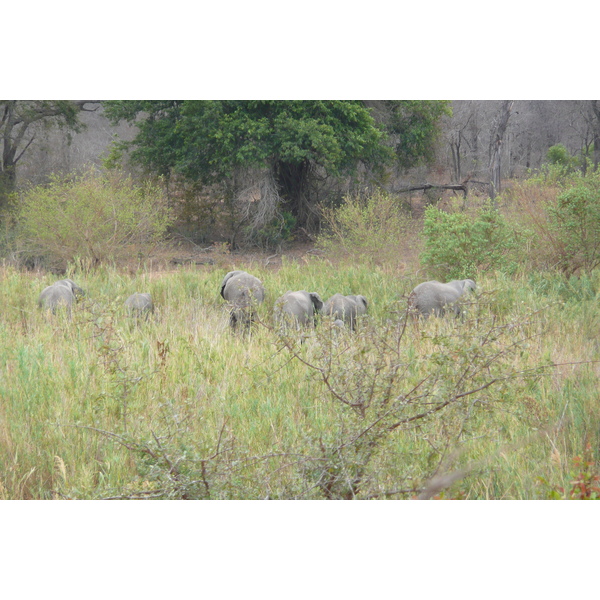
x,y
179,406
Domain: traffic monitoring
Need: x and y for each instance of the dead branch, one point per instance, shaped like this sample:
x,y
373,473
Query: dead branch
x,y
429,186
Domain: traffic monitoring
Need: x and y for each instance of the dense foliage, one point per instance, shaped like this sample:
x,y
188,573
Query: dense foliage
x,y
459,244
413,125
296,141
574,219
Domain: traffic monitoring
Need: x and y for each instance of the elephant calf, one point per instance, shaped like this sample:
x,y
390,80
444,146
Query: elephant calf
x,y
243,292
139,305
62,293
298,308
345,308
433,296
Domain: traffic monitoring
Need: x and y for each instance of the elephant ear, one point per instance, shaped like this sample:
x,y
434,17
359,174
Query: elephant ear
x,y
363,300
316,300
225,280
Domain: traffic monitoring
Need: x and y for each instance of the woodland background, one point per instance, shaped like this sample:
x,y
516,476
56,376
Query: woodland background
x,y
462,147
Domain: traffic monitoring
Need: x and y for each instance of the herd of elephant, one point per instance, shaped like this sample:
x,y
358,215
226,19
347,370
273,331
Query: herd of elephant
x,y
244,291
64,293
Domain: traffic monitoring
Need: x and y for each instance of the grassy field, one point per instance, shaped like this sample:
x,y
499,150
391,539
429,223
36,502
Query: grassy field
x,y
502,404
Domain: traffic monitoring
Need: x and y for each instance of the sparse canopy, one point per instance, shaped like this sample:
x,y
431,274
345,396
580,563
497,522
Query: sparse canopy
x,y
17,134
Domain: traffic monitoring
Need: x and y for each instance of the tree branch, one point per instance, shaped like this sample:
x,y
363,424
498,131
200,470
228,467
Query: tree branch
x,y
429,186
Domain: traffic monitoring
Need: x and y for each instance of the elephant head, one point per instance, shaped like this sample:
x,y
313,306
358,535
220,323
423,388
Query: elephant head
x,y
62,293
243,292
298,308
139,304
434,297
345,308
77,291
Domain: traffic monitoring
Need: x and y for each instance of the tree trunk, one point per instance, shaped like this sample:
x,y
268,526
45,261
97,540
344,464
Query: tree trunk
x,y
8,182
16,116
292,180
456,168
496,146
596,110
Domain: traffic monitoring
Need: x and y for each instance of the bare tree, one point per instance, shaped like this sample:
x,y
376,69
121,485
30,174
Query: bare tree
x,y
595,106
533,127
496,140
463,115
17,131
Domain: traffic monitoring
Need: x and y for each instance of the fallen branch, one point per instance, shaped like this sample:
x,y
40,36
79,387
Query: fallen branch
x,y
429,186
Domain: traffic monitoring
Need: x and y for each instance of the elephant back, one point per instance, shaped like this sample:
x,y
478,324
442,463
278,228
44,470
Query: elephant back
x,y
297,307
55,296
344,308
241,288
434,297
242,291
71,285
139,303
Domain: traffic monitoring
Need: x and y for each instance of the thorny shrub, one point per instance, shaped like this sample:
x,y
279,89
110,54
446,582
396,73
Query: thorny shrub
x,y
383,388
383,385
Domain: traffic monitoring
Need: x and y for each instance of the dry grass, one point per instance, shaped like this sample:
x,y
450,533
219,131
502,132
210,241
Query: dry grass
x,y
526,206
179,407
100,407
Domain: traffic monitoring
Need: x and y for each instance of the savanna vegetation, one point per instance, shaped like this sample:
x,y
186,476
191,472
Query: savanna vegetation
x,y
502,403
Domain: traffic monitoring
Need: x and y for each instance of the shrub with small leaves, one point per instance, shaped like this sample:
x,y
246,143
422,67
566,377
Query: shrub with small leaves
x,y
374,227
559,155
574,219
94,217
459,244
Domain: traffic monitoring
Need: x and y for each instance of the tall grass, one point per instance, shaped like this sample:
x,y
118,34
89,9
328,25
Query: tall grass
x,y
100,406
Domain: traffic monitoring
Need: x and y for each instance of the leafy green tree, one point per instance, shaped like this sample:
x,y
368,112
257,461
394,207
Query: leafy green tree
x,y
412,126
558,155
296,141
18,119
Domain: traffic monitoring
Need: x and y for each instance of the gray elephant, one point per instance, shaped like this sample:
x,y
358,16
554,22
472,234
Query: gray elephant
x,y
345,308
139,305
434,297
63,293
298,308
243,292
77,291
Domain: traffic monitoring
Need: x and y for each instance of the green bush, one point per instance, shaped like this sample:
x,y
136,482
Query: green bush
x,y
574,220
374,228
459,244
563,164
93,217
559,155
